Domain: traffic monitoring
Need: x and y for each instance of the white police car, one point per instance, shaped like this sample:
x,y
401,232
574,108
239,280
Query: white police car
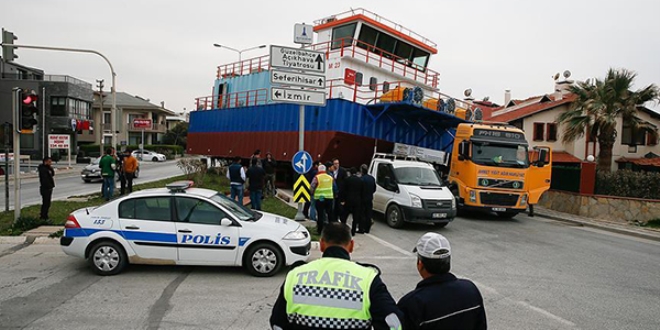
x,y
184,226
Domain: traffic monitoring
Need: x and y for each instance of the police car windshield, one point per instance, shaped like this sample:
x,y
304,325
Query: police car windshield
x,y
239,211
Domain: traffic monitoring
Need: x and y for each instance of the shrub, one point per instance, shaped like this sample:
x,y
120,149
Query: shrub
x,y
24,224
627,183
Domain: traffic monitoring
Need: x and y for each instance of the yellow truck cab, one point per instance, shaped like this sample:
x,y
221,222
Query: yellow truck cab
x,y
492,169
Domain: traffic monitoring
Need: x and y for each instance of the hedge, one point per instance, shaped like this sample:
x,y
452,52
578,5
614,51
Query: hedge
x,y
627,183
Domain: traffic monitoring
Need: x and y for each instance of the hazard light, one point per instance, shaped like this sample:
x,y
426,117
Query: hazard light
x,y
179,186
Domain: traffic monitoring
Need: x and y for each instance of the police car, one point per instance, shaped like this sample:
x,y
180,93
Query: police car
x,y
183,225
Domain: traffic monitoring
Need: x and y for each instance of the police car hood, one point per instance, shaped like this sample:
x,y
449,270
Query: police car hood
x,y
429,192
278,222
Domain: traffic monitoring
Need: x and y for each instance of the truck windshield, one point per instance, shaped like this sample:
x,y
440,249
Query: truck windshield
x,y
501,155
417,176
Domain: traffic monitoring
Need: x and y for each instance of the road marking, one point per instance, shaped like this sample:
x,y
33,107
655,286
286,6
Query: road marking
x,y
480,285
391,246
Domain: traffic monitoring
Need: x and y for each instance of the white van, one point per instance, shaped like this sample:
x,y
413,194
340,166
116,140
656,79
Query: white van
x,y
408,190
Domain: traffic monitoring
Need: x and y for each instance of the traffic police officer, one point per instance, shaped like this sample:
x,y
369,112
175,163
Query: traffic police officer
x,y
334,292
323,189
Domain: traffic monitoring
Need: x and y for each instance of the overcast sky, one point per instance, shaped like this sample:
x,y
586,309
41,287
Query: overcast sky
x,y
163,50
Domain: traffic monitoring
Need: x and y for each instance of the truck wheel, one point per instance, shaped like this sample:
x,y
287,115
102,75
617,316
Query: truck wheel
x,y
394,217
506,215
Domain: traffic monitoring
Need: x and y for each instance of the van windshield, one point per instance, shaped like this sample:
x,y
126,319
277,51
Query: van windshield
x,y
501,155
417,176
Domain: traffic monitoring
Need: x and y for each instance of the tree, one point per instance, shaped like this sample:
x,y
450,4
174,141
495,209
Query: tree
x,y
599,104
177,135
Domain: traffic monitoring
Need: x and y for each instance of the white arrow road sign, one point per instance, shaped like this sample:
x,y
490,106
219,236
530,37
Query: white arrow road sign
x,y
297,58
297,96
297,79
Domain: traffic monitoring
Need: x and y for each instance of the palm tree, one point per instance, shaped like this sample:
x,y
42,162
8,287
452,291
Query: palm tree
x,y
599,104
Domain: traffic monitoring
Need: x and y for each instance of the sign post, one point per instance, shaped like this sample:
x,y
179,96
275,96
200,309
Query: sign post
x,y
59,141
302,64
142,123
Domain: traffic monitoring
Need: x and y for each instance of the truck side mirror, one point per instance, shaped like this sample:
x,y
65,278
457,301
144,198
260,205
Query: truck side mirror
x,y
543,155
463,150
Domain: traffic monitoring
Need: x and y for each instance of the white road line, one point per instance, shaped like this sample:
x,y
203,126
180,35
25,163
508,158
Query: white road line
x,y
391,246
481,286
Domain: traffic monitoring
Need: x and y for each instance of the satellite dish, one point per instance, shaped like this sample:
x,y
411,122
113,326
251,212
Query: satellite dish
x,y
567,74
486,98
451,106
478,114
468,114
556,76
468,92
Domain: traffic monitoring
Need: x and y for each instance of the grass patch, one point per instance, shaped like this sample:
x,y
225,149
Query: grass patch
x,y
60,210
655,223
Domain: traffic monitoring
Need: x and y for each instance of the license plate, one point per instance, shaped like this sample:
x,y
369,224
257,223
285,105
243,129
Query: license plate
x,y
439,215
499,209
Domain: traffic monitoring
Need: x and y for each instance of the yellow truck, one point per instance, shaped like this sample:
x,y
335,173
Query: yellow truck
x,y
493,169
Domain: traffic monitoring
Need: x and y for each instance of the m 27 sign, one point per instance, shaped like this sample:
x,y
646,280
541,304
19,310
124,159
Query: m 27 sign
x,y
142,123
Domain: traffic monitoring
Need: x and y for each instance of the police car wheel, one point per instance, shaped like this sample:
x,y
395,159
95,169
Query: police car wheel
x,y
263,260
394,217
107,258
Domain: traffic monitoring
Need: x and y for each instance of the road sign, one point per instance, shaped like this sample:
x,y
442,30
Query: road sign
x,y
59,141
301,190
303,34
297,79
296,58
302,162
142,123
297,96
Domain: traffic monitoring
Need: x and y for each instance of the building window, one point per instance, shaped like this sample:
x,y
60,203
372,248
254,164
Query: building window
x,y
652,139
538,131
552,132
107,118
343,35
630,136
58,106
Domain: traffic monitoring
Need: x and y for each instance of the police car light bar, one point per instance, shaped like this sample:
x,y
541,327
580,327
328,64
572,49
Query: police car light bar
x,y
179,186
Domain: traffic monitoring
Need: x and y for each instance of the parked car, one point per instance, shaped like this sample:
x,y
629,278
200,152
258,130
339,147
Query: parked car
x,y
146,155
92,172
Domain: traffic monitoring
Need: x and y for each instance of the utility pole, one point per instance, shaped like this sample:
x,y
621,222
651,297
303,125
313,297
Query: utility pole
x,y
100,131
16,92
7,138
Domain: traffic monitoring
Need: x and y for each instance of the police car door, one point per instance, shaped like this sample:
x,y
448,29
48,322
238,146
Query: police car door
x,y
146,223
201,238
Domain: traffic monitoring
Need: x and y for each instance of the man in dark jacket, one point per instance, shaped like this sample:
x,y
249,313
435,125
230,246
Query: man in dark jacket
x,y
441,301
339,174
368,191
236,176
46,185
325,285
269,165
309,210
255,175
351,197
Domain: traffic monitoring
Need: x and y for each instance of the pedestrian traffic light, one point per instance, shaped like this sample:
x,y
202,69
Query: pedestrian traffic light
x,y
7,51
29,109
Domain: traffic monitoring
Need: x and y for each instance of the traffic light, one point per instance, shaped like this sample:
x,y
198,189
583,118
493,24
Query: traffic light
x,y
8,52
29,109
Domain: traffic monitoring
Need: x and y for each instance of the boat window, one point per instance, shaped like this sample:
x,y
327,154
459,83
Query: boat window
x,y
404,52
368,37
385,45
345,33
358,78
420,58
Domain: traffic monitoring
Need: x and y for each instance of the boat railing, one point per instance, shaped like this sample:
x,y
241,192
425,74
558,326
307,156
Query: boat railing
x,y
232,100
361,11
248,66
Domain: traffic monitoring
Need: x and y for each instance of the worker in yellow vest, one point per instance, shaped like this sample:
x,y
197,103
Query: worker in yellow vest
x,y
334,292
324,189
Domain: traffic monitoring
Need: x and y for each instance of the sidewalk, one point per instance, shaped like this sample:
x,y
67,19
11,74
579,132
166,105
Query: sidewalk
x,y
34,174
616,227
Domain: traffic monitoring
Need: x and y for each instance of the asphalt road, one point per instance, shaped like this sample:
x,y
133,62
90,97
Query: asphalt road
x,y
70,184
533,273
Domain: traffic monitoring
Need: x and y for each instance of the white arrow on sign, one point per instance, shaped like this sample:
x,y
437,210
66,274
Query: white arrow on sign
x,y
296,58
297,96
297,79
302,163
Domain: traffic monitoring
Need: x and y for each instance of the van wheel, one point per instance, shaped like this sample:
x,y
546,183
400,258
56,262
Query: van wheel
x,y
263,260
107,258
394,217
506,215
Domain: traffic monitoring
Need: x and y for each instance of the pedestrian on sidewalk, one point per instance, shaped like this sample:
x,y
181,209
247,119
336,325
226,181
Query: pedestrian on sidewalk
x,y
108,164
441,301
323,188
351,197
269,165
339,174
367,197
46,186
255,178
130,168
236,176
120,173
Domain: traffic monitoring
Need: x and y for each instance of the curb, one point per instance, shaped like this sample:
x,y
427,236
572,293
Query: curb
x,y
623,231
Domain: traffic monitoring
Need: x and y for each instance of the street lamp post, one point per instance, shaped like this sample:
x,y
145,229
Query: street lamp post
x,y
239,51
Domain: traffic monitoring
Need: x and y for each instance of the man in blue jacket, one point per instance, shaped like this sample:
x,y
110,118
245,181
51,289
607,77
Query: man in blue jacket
x,y
441,301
